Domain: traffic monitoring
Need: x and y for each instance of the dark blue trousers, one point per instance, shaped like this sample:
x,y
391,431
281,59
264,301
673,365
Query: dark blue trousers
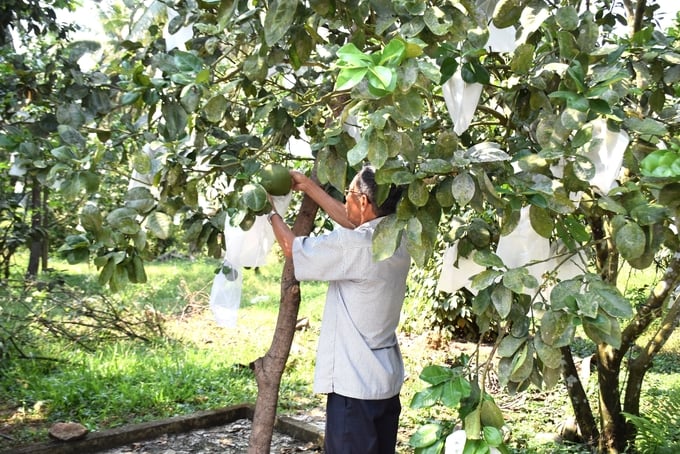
x,y
357,426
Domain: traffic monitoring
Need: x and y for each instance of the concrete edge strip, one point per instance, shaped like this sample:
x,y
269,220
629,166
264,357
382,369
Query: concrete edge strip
x,y
124,435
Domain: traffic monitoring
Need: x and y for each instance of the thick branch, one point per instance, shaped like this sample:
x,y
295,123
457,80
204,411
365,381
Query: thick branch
x,y
634,14
643,362
649,311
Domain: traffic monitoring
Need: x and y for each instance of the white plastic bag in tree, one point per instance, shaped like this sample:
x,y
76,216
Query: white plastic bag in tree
x,y
225,295
179,38
523,245
250,248
455,442
461,101
245,248
606,153
453,278
501,39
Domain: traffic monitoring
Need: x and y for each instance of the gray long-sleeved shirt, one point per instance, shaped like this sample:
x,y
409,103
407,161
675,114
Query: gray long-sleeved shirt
x,y
358,355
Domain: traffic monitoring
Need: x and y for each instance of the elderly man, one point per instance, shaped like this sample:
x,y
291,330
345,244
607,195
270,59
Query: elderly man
x,y
358,363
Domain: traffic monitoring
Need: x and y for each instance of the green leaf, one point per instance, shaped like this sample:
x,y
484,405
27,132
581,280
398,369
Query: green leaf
x,y
603,329
587,304
562,296
426,435
91,218
501,297
215,108
646,127
610,300
485,279
254,196
472,424
382,78
191,95
609,204
331,168
557,328
159,224
428,397
649,214
519,280
454,390
492,436
432,18
357,153
509,346
350,56
550,356
522,363
393,53
387,237
670,195
434,374
349,77
255,68
124,220
187,62
487,258
507,13
175,120
70,135
409,105
418,193
377,150
90,181
140,199
630,240
567,18
444,194
414,231
523,58
463,188
576,229
278,20
541,221
436,166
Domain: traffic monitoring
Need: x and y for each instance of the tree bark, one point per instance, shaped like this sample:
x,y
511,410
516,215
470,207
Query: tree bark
x,y
579,400
612,423
37,233
648,312
269,368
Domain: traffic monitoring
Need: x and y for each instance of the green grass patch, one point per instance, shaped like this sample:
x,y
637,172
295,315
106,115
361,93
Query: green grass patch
x,y
196,365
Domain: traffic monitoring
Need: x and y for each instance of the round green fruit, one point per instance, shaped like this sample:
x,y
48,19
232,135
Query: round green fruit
x,y
275,179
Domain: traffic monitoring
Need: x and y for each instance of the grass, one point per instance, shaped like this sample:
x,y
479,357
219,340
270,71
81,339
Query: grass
x,y
198,365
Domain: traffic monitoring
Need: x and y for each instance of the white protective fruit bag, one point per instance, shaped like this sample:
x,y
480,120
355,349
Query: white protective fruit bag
x,y
245,248
225,295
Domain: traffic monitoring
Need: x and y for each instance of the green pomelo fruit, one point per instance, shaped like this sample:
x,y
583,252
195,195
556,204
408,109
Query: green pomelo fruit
x,y
275,179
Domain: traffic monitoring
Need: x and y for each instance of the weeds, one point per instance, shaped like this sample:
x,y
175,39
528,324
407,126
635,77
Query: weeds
x,y
191,364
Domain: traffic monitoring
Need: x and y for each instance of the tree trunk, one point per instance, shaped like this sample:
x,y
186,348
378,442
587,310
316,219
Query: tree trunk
x,y
37,233
579,400
612,423
269,368
45,221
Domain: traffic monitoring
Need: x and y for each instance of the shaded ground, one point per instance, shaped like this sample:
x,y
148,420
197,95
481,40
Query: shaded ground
x,y
226,439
